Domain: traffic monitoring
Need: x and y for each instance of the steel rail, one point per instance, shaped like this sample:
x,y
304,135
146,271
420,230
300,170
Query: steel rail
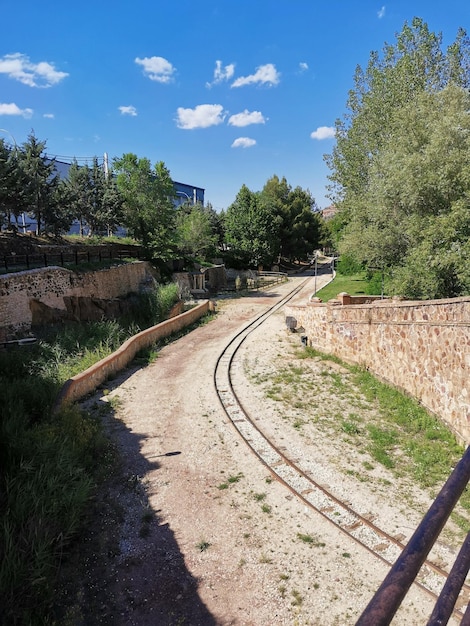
x,y
381,544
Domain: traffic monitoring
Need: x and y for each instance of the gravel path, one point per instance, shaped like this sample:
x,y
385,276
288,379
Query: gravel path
x,y
192,530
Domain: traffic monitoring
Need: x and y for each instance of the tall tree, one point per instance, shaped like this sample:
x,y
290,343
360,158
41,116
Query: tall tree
x,y
299,227
76,193
251,228
40,181
399,161
194,231
10,185
415,63
148,208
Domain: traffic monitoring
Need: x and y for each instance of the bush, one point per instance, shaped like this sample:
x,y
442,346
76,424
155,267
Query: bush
x,y
348,266
49,462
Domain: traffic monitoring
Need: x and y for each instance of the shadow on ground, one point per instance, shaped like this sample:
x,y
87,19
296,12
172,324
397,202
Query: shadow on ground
x,y
126,568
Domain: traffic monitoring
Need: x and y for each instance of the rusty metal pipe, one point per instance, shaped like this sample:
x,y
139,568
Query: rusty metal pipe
x,y
450,591
389,596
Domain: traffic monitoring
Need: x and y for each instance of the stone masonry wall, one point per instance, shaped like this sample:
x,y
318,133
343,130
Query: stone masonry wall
x,y
422,348
52,286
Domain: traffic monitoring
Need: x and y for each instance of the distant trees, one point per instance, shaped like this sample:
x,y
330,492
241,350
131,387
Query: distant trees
x,y
257,228
251,228
299,226
400,171
10,188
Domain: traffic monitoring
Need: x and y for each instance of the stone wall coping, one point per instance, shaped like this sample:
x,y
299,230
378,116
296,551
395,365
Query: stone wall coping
x,y
386,302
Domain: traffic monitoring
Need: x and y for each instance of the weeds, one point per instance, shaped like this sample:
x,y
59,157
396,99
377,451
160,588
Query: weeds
x,y
50,463
311,540
402,436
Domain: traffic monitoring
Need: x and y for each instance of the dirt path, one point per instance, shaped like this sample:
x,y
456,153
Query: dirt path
x,y
192,530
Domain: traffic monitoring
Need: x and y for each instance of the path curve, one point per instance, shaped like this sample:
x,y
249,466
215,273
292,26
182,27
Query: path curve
x,y
192,530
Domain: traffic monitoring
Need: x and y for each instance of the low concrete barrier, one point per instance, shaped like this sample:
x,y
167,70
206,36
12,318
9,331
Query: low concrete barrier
x,y
84,383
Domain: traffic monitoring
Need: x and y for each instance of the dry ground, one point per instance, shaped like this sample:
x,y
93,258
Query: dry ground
x,y
192,530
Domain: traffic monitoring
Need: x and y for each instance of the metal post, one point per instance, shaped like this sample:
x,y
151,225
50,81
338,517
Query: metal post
x,y
315,285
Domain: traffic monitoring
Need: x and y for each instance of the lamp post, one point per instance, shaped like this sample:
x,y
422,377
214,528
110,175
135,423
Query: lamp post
x,y
315,273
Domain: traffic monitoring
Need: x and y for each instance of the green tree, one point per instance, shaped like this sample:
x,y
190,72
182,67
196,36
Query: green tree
x,y
195,235
40,183
148,209
415,63
76,193
415,215
10,185
251,229
299,227
399,162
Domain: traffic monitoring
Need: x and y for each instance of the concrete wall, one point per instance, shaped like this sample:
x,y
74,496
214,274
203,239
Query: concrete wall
x,y
422,348
84,383
53,286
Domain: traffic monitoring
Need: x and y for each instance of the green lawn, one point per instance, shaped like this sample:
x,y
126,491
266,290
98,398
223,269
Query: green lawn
x,y
355,285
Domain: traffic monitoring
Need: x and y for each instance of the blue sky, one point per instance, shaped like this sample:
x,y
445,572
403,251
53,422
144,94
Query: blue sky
x,y
225,92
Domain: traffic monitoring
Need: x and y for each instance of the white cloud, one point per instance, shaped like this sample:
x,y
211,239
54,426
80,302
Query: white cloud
x,y
49,116
323,132
19,67
128,110
381,13
265,74
243,142
157,68
222,73
13,109
246,118
303,67
202,116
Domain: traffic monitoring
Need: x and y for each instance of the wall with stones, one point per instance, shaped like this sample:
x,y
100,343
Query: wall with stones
x,y
51,290
422,348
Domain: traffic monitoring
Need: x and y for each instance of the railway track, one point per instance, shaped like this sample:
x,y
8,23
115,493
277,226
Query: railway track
x,y
300,480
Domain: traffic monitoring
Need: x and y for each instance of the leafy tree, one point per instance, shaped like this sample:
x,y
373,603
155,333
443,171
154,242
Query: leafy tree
x,y
415,215
251,228
195,234
299,228
76,193
399,168
106,202
216,222
414,64
148,209
111,209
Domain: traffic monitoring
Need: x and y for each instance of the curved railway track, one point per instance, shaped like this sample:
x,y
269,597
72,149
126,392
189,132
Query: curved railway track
x,y
301,481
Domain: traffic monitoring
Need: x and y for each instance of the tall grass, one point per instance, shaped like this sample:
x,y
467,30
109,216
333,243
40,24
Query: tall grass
x,y
49,462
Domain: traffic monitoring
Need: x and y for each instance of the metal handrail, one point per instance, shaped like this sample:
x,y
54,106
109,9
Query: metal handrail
x,y
389,596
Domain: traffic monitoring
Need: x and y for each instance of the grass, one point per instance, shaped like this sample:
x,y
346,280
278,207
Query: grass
x,y
355,285
51,462
389,427
403,437
203,545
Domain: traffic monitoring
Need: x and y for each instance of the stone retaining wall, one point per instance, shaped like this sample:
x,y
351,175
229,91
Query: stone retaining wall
x,y
422,348
84,383
51,288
